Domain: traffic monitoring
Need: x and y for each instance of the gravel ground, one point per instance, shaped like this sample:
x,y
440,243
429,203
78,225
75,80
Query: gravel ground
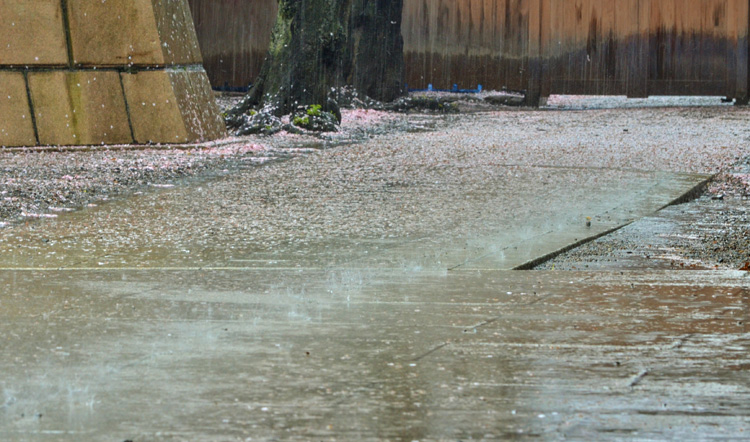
x,y
41,182
601,133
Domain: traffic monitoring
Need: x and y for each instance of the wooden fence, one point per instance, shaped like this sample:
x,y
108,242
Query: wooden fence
x,y
594,47
234,36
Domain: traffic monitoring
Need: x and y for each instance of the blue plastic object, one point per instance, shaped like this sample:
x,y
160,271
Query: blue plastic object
x,y
455,89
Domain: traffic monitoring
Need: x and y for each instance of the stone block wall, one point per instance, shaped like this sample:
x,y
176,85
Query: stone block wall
x,y
84,72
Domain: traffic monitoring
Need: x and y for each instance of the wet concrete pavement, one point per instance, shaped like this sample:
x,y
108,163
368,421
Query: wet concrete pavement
x,y
375,301
374,354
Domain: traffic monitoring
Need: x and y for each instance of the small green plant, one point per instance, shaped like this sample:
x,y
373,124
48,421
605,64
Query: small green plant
x,y
301,121
314,110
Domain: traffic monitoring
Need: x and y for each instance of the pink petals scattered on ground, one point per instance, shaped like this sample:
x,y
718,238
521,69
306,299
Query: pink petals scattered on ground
x,y
35,183
364,118
607,132
235,149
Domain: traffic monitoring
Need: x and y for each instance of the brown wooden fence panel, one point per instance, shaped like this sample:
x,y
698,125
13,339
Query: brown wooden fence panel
x,y
698,47
646,47
592,46
596,47
234,36
467,42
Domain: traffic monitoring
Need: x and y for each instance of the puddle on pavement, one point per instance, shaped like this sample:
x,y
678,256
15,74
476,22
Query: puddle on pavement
x,y
192,354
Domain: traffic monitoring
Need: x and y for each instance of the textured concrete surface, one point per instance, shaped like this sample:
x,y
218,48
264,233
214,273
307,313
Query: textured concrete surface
x,y
704,234
16,125
198,104
172,107
176,29
72,58
33,33
79,107
127,32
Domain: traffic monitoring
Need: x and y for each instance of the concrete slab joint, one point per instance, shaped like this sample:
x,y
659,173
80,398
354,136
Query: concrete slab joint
x,y
78,72
16,127
79,107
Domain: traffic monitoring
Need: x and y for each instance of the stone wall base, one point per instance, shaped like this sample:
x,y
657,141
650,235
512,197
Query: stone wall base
x,y
77,72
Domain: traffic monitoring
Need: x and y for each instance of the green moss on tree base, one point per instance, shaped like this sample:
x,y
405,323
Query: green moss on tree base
x,y
317,45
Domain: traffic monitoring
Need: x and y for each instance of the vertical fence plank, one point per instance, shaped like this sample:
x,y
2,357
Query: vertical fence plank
x,y
534,87
638,66
545,47
742,23
234,37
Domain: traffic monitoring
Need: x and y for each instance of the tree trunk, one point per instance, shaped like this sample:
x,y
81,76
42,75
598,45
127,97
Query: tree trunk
x,y
322,44
378,68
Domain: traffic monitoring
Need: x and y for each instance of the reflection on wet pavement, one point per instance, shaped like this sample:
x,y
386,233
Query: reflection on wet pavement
x,y
373,354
